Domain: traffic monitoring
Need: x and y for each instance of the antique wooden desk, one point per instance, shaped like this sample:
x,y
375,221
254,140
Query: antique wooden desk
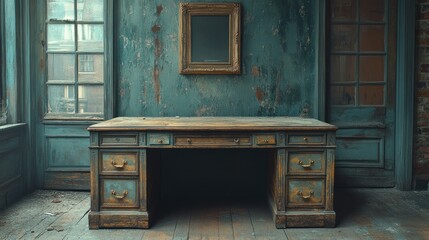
x,y
124,164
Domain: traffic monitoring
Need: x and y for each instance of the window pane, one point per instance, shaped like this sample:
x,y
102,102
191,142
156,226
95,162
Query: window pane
x,y
343,38
343,10
343,68
91,99
372,38
371,68
343,95
91,68
61,37
61,99
60,9
90,37
372,10
60,68
371,95
90,10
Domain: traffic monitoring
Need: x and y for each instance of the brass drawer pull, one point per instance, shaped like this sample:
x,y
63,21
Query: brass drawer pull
x,y
236,140
306,165
305,139
299,193
189,140
119,165
124,194
160,141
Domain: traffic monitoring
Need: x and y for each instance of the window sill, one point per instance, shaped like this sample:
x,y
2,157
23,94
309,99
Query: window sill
x,y
10,127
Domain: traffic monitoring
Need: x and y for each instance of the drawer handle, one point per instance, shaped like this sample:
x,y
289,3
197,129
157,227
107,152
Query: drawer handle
x,y
306,165
117,139
160,141
305,139
189,140
299,193
124,194
266,141
119,165
236,140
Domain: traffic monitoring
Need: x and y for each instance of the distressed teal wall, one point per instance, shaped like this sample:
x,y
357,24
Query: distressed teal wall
x,y
279,63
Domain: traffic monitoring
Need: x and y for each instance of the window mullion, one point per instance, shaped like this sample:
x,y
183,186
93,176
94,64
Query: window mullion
x,y
76,70
357,75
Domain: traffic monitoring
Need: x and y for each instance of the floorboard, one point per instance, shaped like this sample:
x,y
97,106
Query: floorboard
x,y
262,223
361,214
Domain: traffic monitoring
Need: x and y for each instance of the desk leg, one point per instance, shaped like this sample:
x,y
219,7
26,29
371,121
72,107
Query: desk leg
x,y
93,219
276,194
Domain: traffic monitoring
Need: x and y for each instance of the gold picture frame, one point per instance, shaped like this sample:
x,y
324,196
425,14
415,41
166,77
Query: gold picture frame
x,y
209,38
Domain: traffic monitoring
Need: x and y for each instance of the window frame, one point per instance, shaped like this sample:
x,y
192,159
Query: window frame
x,y
3,98
107,53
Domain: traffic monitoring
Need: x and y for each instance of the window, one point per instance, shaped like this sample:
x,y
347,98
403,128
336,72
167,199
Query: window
x,y
75,82
358,53
3,112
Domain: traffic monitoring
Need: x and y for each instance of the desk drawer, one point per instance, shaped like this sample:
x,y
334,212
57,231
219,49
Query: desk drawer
x,y
119,162
305,192
213,140
158,139
306,162
122,139
119,193
306,139
265,139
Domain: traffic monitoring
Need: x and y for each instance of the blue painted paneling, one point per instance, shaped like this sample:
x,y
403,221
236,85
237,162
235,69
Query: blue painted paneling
x,y
279,39
67,152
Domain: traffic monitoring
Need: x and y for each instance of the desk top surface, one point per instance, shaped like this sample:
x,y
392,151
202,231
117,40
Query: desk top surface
x,y
210,123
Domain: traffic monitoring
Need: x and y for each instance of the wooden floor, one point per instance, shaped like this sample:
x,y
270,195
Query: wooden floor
x,y
361,214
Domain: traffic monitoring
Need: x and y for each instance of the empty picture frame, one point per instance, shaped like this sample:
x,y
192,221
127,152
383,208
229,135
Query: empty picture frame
x,y
209,38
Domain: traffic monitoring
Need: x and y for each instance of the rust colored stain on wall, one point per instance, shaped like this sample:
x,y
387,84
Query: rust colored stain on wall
x,y
158,47
159,9
156,28
259,94
156,84
255,71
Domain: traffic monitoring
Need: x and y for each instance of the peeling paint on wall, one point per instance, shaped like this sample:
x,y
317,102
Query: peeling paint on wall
x,y
278,62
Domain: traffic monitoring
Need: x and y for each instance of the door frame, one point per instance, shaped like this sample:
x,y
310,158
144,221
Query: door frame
x,y
404,109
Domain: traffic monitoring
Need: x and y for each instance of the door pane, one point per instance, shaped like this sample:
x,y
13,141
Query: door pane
x,y
343,38
371,95
371,69
91,68
91,99
343,68
343,10
372,10
90,10
60,9
61,68
343,95
90,37
61,99
372,38
61,37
